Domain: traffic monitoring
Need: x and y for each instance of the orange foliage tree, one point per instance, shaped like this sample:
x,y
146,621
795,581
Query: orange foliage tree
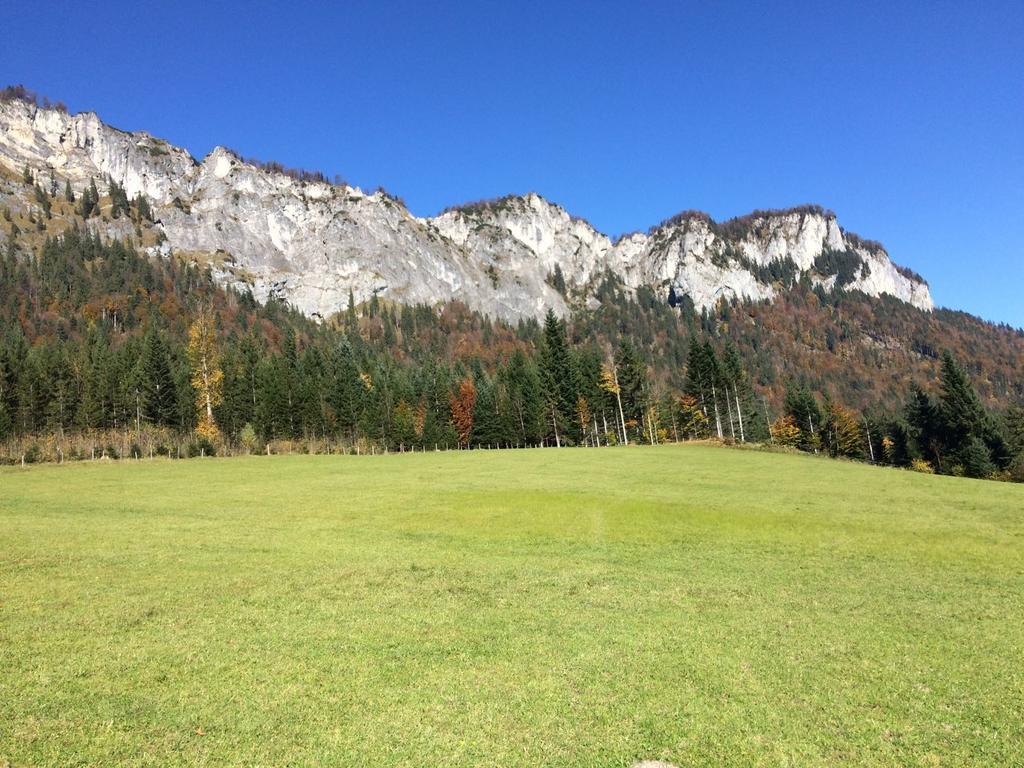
x,y
462,402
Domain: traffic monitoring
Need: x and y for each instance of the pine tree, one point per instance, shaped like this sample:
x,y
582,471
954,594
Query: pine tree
x,y
526,407
924,428
118,199
272,400
1015,429
157,387
966,423
95,408
487,421
143,208
347,390
556,379
704,381
975,458
803,407
351,322
632,379
962,413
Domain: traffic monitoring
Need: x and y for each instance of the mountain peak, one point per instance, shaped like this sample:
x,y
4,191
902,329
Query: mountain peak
x,y
292,233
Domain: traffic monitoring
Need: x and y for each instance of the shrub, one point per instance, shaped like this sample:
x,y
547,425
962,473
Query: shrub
x,y
249,438
201,447
1016,470
922,466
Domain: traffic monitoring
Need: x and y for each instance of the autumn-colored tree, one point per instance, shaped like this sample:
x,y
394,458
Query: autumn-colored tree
x,y
847,435
583,414
888,449
419,419
693,423
610,384
786,431
462,402
207,376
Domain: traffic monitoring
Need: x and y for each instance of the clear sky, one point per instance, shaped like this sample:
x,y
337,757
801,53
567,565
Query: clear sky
x,y
906,119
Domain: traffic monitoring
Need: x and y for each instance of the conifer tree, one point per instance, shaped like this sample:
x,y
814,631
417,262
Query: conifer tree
x,y
522,385
969,432
632,379
347,390
556,379
803,407
156,380
925,428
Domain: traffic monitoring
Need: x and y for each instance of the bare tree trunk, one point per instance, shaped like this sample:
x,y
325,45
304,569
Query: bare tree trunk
x,y
768,421
739,412
871,448
810,421
718,419
728,402
618,399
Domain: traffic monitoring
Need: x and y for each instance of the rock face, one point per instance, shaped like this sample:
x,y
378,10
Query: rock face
x,y
311,243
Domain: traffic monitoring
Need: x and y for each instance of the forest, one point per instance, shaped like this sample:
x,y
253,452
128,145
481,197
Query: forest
x,y
106,352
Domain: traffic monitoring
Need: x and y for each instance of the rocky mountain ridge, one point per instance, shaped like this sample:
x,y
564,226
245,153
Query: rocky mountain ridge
x,y
312,243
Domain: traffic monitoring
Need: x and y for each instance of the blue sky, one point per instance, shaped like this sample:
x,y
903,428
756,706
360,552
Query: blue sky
x,y
907,119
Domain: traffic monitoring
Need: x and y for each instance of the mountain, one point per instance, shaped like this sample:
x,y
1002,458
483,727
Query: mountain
x,y
294,236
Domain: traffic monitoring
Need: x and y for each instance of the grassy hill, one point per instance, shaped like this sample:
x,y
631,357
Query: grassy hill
x,y
516,608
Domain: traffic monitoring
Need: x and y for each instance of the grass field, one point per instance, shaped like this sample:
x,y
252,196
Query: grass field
x,y
562,608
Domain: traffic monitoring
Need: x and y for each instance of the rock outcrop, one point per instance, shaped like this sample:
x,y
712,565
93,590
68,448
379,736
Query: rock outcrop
x,y
311,243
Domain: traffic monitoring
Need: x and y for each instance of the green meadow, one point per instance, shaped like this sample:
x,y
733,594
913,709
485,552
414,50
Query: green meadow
x,y
576,607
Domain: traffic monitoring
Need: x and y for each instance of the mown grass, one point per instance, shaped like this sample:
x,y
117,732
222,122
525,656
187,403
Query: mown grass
x,y
520,608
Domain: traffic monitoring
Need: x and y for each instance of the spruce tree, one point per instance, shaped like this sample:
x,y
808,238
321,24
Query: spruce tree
x,y
556,379
966,424
963,415
346,392
924,428
158,392
802,406
1015,429
526,404
632,377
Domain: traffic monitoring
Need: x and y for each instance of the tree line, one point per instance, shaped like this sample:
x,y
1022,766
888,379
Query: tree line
x,y
107,351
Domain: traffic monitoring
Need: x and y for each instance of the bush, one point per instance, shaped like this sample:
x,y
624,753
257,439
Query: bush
x,y
201,447
249,438
922,466
977,459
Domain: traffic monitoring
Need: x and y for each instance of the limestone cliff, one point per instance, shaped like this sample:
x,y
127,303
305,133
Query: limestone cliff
x,y
311,242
